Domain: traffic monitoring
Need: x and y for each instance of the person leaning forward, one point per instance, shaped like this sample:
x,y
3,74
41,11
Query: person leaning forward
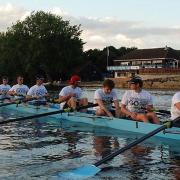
x,y
137,103
105,97
175,106
71,96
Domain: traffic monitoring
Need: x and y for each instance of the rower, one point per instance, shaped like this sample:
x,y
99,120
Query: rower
x,y
105,96
4,87
38,91
175,106
137,103
19,89
71,96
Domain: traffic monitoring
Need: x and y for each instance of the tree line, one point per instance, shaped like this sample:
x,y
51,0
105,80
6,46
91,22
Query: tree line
x,y
46,44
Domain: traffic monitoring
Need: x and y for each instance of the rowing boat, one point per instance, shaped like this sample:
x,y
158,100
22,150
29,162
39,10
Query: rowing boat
x,y
98,121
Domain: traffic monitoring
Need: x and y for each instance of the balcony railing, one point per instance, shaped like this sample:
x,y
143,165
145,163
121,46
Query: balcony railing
x,y
116,68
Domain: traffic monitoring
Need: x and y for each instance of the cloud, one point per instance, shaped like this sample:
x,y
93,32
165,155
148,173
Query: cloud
x,y
105,31
101,32
10,14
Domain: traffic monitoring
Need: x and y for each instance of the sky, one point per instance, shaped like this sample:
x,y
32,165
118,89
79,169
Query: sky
x,y
130,23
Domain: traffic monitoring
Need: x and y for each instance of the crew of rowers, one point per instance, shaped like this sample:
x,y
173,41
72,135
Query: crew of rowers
x,y
136,103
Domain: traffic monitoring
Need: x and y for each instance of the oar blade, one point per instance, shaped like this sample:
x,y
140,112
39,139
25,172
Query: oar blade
x,y
80,173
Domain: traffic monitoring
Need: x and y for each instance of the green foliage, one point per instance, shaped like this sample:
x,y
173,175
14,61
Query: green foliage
x,y
99,58
42,43
45,43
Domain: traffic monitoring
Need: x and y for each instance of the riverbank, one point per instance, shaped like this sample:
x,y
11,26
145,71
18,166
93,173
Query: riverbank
x,y
164,82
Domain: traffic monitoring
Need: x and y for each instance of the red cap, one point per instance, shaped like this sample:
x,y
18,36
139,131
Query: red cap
x,y
74,79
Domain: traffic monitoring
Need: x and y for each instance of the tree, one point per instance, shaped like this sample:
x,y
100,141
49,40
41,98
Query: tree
x,y
42,43
99,57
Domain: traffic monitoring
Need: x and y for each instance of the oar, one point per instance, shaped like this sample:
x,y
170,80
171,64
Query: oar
x,y
21,99
92,169
47,114
159,111
4,98
17,101
162,111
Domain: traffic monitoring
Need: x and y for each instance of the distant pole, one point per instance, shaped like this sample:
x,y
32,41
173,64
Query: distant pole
x,y
107,56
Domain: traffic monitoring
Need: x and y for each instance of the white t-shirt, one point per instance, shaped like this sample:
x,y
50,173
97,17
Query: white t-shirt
x,y
175,112
68,90
20,89
135,102
39,91
106,98
3,90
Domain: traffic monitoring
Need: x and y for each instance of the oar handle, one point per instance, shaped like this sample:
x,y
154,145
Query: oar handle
x,y
4,98
87,106
164,111
158,110
165,126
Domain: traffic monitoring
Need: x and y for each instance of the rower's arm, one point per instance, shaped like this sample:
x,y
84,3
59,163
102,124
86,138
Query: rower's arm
x,y
11,92
46,95
178,105
149,108
117,108
103,107
28,96
125,111
64,98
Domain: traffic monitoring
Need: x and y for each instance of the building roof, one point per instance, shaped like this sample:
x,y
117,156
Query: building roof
x,y
154,53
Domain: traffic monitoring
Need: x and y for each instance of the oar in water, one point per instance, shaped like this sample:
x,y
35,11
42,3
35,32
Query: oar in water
x,y
92,169
47,114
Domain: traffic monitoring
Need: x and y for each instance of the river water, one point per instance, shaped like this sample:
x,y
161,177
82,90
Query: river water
x,y
41,148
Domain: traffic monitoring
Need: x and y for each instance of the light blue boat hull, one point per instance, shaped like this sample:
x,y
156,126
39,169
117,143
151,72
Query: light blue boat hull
x,y
114,123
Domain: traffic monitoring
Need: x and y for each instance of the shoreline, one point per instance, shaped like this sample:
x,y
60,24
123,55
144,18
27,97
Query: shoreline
x,y
155,82
165,84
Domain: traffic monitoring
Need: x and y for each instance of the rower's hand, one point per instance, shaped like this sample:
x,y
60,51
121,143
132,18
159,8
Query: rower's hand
x,y
149,108
34,97
133,115
71,95
39,97
14,93
110,114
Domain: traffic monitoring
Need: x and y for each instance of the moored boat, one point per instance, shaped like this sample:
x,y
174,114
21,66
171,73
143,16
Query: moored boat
x,y
100,121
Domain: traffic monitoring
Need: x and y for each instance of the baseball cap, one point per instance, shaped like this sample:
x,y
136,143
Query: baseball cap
x,y
74,79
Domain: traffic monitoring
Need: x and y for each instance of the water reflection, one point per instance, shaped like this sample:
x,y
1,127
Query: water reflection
x,y
102,146
37,144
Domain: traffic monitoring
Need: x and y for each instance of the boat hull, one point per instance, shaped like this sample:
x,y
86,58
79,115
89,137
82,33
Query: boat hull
x,y
100,121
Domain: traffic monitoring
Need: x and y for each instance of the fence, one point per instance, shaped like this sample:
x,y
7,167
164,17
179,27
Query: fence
x,y
159,71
